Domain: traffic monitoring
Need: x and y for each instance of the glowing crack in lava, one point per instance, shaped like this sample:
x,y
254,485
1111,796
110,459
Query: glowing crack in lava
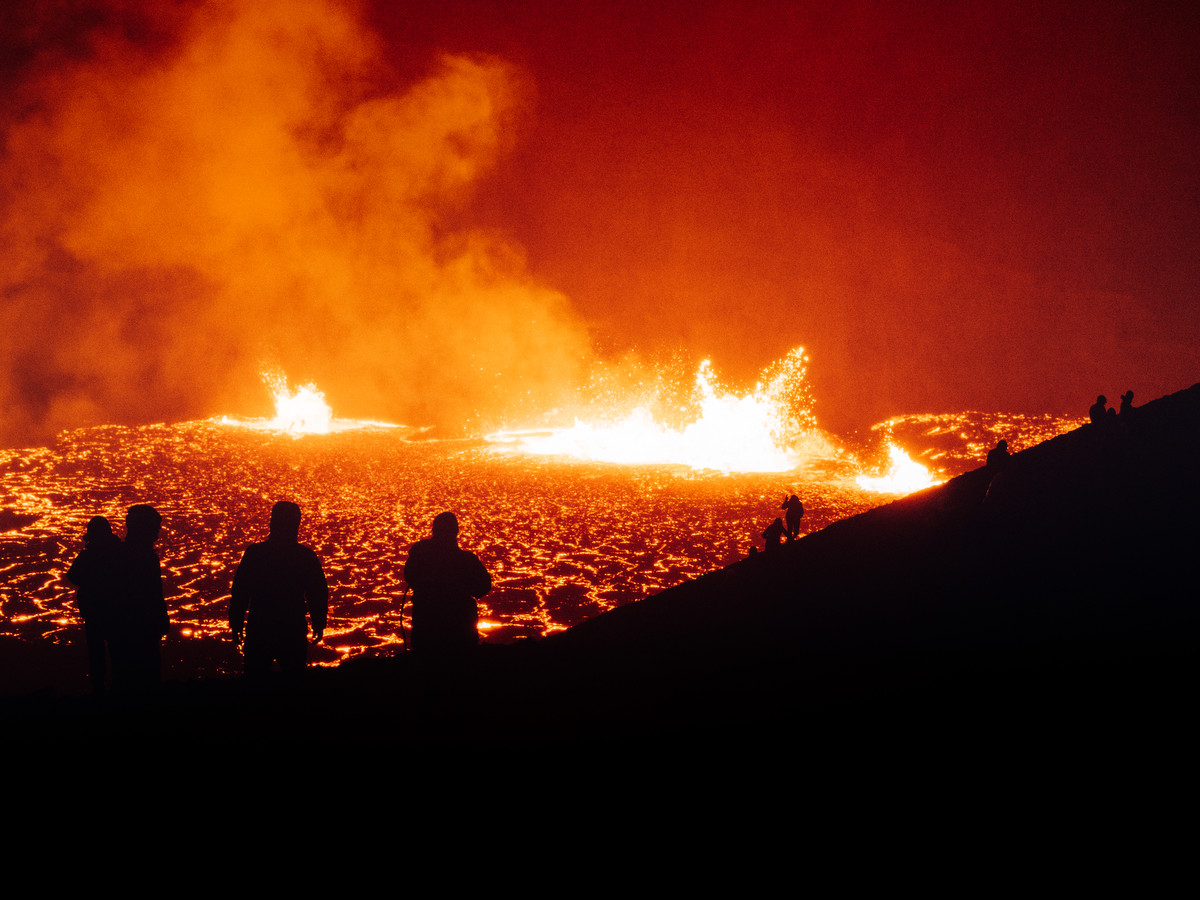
x,y
768,429
904,475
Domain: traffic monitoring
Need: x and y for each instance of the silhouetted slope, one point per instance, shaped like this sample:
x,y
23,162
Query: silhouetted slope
x,y
1078,553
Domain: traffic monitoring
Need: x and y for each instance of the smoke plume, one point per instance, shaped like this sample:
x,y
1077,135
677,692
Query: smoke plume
x,y
185,197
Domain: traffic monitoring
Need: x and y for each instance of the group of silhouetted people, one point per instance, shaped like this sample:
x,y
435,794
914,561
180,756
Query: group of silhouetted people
x,y
279,589
1100,413
785,528
121,600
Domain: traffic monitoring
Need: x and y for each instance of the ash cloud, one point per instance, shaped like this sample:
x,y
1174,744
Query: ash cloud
x,y
246,187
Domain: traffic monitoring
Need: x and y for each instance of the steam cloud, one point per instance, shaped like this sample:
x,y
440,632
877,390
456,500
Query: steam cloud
x,y
249,188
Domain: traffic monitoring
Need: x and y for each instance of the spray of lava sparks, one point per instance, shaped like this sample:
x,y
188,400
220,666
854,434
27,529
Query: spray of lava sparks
x,y
770,428
303,411
300,411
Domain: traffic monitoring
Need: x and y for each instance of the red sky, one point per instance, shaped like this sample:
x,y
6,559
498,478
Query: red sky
x,y
952,206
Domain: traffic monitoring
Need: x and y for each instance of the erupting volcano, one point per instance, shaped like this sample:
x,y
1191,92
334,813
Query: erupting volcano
x,y
527,271
565,533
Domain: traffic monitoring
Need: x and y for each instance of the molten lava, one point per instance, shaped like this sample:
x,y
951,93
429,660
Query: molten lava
x,y
299,412
904,475
303,411
768,429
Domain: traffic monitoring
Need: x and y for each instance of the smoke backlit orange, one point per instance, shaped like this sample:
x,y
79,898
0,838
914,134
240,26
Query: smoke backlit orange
x,y
262,184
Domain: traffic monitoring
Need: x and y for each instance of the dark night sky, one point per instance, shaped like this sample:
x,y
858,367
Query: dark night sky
x,y
952,206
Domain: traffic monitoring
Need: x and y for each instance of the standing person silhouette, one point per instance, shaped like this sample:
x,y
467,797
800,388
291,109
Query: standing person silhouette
x,y
446,581
795,511
138,620
278,587
1126,403
94,574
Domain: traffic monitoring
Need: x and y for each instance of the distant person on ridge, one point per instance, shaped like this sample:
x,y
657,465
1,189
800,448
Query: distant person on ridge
x,y
1126,403
998,455
138,621
279,585
94,573
446,581
773,535
795,510
1098,410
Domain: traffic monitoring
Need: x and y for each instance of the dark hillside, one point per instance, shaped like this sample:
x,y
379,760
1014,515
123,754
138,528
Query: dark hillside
x,y
1076,561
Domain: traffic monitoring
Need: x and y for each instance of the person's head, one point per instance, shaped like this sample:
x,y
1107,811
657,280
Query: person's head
x,y
1101,399
285,521
1127,396
1002,445
445,527
142,524
99,532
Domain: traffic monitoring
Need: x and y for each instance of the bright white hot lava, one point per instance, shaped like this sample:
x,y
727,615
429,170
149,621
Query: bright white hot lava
x,y
300,411
768,429
303,411
904,475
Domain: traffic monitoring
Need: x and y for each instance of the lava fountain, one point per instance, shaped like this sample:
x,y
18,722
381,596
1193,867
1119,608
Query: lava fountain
x,y
770,428
303,411
904,475
300,411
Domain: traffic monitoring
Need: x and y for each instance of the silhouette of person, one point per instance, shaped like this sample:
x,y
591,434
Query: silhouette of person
x,y
95,576
795,510
138,618
1126,403
278,587
774,534
998,455
446,581
1097,410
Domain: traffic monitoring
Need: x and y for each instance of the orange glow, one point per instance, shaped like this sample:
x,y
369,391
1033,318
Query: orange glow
x,y
904,475
303,411
770,428
299,412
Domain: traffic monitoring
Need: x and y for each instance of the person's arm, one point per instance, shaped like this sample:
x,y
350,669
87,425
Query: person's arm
x,y
80,572
316,595
239,598
164,623
481,579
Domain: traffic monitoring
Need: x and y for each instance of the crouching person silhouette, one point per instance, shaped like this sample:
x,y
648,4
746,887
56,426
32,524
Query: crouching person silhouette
x,y
446,581
279,585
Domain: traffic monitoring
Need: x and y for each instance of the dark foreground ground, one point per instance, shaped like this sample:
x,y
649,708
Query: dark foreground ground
x,y
1039,621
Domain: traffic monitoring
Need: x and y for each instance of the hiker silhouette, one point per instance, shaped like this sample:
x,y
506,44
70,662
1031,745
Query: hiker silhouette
x,y
138,619
446,581
1126,403
795,510
278,587
774,534
95,575
1097,411
998,455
